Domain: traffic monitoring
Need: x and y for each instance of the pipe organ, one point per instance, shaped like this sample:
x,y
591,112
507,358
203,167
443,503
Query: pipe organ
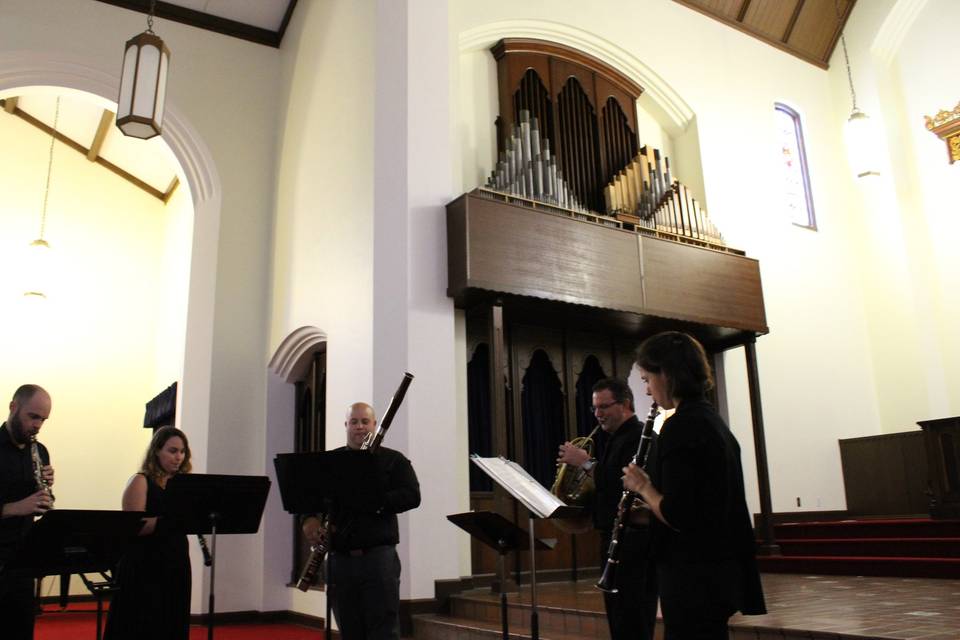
x,y
593,170
526,168
643,195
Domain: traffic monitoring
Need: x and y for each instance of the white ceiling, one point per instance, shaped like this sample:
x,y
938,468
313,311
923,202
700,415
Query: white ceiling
x,y
266,14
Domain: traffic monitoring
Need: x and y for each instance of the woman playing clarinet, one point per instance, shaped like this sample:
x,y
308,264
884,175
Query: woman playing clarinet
x,y
702,541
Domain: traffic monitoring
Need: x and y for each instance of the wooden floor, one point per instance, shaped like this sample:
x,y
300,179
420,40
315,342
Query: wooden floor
x,y
800,606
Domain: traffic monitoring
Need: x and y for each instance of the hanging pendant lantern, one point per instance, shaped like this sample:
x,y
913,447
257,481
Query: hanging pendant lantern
x,y
143,84
38,271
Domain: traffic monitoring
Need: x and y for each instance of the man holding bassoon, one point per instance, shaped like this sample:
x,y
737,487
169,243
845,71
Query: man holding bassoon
x,y
364,568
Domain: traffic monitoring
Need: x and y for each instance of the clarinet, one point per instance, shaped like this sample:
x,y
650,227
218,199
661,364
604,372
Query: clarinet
x,y
207,558
608,580
311,570
38,468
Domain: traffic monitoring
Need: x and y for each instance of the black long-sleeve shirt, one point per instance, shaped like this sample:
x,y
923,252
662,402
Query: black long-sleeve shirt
x,y
608,474
375,525
16,483
698,472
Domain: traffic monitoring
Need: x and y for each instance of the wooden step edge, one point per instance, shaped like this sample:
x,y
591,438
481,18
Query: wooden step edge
x,y
948,539
493,629
525,604
848,558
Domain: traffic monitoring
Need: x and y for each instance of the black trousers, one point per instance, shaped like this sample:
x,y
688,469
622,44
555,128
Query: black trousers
x,y
632,611
17,608
365,593
698,598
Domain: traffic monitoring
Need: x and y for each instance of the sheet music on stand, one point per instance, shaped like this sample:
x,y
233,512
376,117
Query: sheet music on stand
x,y
524,487
540,503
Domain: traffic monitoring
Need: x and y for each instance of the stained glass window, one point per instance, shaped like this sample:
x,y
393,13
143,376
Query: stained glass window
x,y
797,198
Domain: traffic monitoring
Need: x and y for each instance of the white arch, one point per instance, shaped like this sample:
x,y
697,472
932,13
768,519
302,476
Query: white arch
x,y
293,355
671,110
894,29
43,68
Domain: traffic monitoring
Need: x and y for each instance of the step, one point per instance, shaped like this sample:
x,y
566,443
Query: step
x,y
863,566
877,547
486,609
439,627
879,528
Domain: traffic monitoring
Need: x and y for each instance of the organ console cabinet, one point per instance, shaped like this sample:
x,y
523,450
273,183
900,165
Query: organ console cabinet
x,y
638,281
942,440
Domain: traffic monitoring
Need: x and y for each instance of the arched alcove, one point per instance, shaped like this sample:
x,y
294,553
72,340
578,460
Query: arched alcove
x,y
290,362
43,68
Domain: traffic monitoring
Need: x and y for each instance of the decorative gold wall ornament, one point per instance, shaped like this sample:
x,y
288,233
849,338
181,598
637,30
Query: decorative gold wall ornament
x,y
946,124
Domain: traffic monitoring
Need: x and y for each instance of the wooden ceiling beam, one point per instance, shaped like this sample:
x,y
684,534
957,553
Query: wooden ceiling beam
x,y
76,146
106,119
796,38
170,189
793,21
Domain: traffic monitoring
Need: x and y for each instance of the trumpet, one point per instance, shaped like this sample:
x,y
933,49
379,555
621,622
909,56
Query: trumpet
x,y
608,580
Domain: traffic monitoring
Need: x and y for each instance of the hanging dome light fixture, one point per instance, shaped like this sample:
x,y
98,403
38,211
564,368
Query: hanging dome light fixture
x,y
143,83
38,254
860,134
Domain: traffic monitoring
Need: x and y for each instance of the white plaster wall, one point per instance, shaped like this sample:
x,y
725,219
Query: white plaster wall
x,y
223,91
322,261
413,318
922,79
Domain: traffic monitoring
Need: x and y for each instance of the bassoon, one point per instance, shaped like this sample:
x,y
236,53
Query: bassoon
x,y
608,580
311,570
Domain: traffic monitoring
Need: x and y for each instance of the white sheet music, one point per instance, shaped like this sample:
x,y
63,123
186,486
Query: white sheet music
x,y
520,484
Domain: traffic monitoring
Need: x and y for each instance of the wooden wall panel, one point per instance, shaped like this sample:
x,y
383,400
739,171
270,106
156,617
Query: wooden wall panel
x,y
525,252
885,475
690,283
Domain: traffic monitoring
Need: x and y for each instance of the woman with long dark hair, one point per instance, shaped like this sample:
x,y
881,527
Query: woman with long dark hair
x,y
153,601
703,543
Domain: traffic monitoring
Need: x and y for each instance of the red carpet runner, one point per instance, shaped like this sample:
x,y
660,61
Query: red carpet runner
x,y
79,622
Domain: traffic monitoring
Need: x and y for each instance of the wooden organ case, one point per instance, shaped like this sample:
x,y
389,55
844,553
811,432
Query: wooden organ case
x,y
579,246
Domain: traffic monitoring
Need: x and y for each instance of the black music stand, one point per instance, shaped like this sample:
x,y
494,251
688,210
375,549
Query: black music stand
x,y
501,535
309,482
540,505
67,541
205,503
312,482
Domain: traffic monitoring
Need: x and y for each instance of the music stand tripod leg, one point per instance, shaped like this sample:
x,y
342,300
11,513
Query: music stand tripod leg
x,y
504,624
534,622
213,573
328,592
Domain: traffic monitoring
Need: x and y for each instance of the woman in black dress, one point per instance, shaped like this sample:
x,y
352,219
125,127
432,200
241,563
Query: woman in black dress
x,y
153,601
702,540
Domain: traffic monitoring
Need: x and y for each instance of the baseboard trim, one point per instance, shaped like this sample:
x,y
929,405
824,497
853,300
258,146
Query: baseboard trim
x,y
261,617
